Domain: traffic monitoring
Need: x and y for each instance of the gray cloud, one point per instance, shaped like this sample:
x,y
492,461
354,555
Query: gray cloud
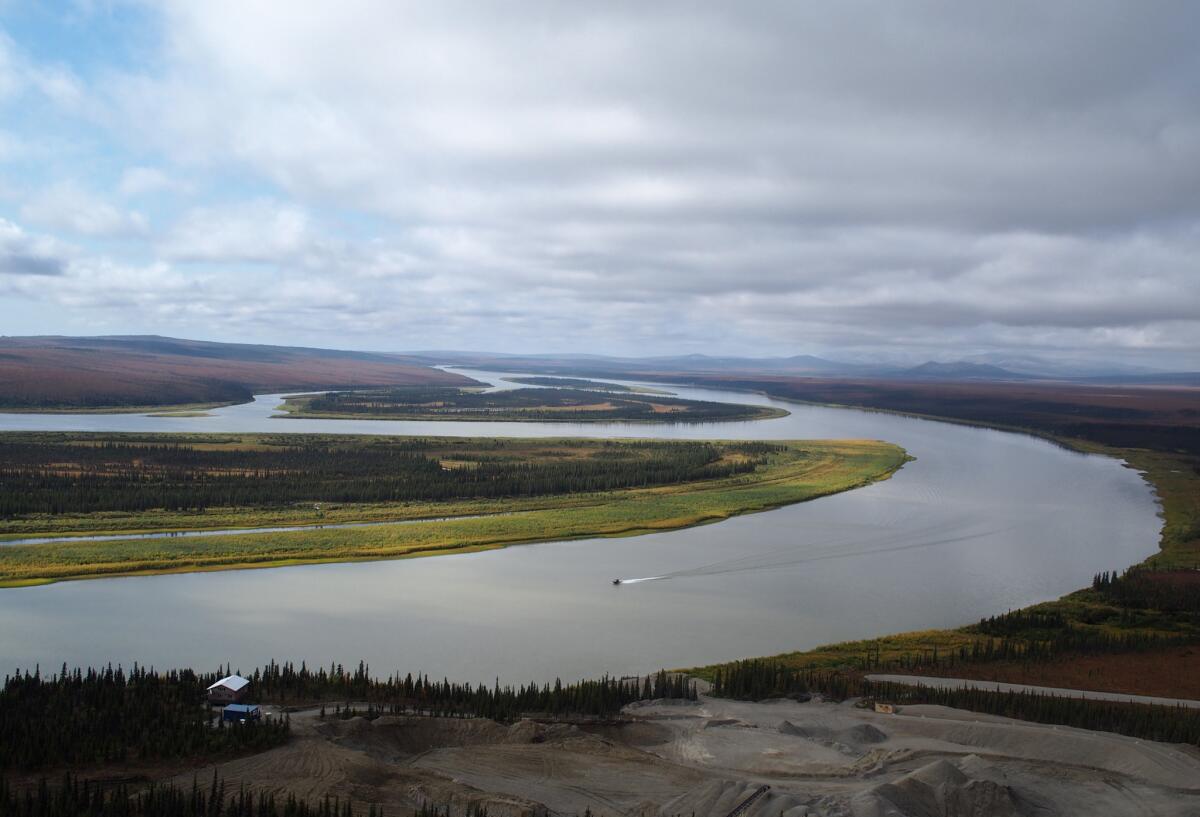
x,y
925,179
22,254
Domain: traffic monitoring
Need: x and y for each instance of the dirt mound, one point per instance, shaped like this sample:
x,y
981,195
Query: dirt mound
x,y
633,733
863,733
808,731
719,797
940,773
939,789
715,722
400,736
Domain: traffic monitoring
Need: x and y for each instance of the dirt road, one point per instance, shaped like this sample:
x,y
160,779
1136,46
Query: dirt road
x,y
966,683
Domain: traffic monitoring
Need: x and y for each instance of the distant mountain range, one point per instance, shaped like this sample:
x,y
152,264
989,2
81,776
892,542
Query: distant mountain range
x,y
52,372
39,373
977,368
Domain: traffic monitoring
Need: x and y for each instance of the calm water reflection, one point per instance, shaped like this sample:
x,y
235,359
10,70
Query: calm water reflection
x,y
1012,520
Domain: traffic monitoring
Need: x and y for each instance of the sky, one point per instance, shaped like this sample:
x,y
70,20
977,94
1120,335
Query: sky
x,y
859,180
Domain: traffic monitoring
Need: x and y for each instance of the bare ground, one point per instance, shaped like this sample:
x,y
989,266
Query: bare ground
x,y
705,758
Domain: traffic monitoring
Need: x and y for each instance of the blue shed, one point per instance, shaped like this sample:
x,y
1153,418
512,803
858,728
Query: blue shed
x,y
241,712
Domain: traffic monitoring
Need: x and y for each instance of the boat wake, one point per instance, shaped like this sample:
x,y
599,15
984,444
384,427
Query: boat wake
x,y
946,534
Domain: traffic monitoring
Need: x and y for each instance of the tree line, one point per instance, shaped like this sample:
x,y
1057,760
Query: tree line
x,y
60,478
76,797
285,683
113,715
758,679
530,404
1020,635
1147,589
73,797
1056,644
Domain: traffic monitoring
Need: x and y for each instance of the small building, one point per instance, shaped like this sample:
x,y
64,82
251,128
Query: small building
x,y
241,713
229,690
885,709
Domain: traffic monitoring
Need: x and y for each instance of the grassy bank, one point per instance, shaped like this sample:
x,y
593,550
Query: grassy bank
x,y
1082,640
791,472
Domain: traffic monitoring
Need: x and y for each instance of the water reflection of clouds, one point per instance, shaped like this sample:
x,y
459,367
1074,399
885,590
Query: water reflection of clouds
x,y
547,610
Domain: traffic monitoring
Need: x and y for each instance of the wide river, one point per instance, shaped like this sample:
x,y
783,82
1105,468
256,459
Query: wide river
x,y
983,521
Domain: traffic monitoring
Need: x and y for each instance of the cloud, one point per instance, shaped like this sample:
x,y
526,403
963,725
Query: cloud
x,y
10,68
854,179
69,207
54,82
139,181
256,231
24,255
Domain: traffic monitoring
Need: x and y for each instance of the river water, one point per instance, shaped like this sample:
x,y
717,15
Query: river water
x,y
983,521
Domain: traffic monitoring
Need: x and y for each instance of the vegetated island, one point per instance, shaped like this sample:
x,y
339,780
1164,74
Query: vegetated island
x,y
444,495
539,405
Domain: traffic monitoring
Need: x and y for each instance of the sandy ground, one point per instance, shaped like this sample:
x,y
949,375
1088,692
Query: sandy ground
x,y
704,758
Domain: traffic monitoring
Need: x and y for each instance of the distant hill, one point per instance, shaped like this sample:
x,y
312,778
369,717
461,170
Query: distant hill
x,y
149,370
961,370
599,364
970,369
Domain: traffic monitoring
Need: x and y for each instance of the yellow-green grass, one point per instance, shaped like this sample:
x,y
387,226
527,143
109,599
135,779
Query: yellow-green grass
x,y
1177,485
850,654
801,471
181,414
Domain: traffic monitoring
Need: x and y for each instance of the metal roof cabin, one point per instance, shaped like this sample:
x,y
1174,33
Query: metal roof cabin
x,y
230,689
241,712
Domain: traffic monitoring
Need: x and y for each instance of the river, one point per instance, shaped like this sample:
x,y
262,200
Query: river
x,y
983,521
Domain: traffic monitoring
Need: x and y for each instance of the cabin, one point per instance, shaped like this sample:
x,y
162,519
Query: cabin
x,y
241,713
885,709
231,689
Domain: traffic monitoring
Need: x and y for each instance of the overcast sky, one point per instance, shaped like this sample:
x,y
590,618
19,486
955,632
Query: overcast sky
x,y
882,180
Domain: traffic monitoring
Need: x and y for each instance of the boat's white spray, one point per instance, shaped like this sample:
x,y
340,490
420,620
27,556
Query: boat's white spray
x,y
771,559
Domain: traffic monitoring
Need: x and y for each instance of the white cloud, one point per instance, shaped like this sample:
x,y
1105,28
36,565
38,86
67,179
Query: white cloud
x,y
139,181
257,231
59,85
69,207
54,81
10,68
625,177
10,147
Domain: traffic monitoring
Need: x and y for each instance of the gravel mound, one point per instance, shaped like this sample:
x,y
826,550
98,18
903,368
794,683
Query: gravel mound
x,y
808,731
863,733
939,789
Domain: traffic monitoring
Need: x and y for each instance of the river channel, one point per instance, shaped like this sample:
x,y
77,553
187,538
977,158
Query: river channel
x,y
981,522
